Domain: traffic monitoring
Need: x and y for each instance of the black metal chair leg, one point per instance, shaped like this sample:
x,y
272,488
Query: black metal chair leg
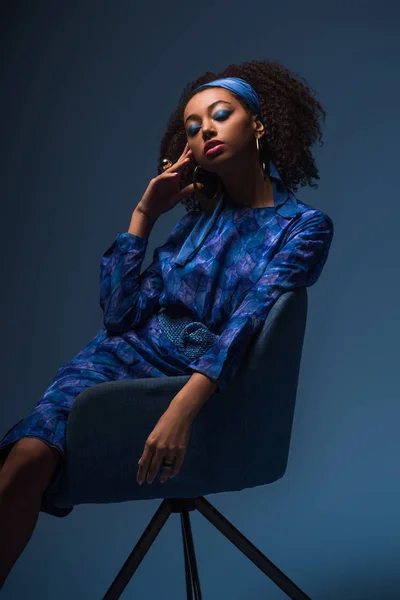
x,y
188,574
183,506
190,556
257,557
139,552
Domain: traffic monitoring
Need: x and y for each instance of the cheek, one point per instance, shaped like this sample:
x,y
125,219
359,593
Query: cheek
x,y
237,133
239,140
196,146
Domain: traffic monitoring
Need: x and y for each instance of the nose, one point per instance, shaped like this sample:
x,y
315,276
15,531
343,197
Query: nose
x,y
209,136
209,131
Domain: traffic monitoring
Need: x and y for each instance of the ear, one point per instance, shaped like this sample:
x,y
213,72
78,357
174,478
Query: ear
x,y
258,127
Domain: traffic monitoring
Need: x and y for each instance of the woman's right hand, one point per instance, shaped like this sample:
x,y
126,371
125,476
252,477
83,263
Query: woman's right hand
x,y
163,193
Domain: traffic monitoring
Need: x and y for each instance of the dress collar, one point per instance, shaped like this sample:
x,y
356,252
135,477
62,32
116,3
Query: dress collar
x,y
284,200
285,204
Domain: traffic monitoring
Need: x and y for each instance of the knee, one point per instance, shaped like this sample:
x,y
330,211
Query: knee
x,y
30,466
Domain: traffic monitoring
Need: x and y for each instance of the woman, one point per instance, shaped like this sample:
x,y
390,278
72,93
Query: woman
x,y
235,150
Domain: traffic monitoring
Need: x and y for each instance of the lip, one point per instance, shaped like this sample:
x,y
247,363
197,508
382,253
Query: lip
x,y
214,149
210,144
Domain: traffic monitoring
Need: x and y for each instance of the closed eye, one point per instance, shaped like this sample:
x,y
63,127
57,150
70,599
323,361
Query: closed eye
x,y
220,115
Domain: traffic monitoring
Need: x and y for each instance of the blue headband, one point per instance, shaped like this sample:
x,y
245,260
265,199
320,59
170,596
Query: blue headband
x,y
240,87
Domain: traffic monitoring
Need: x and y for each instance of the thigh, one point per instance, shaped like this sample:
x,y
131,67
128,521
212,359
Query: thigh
x,y
104,358
47,420
114,357
57,400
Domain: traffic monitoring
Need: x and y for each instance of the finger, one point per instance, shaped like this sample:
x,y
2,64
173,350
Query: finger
x,y
178,464
184,150
180,164
155,465
166,472
187,153
185,159
143,464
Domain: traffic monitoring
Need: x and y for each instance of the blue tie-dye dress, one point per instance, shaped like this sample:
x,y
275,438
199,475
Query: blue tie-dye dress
x,y
225,270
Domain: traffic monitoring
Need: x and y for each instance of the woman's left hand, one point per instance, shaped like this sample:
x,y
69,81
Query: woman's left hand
x,y
168,440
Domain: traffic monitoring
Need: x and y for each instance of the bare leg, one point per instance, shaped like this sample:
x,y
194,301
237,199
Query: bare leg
x,y
27,472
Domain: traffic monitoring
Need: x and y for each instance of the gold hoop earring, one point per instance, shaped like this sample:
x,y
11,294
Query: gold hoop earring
x,y
263,167
204,201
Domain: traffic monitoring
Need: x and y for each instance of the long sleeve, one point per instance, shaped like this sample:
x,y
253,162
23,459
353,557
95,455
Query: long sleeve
x,y
298,263
126,296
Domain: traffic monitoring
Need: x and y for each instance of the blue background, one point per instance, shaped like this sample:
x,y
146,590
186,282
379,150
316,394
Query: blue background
x,y
87,89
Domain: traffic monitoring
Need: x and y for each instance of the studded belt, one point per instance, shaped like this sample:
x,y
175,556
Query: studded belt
x,y
192,338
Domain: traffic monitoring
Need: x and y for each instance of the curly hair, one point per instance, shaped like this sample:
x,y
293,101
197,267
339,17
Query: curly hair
x,y
291,115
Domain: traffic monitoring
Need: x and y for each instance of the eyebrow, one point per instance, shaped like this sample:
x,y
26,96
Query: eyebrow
x,y
211,106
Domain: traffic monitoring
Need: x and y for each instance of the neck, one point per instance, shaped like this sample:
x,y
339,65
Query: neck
x,y
245,185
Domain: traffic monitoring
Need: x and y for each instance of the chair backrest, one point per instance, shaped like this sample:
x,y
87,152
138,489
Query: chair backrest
x,y
254,416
